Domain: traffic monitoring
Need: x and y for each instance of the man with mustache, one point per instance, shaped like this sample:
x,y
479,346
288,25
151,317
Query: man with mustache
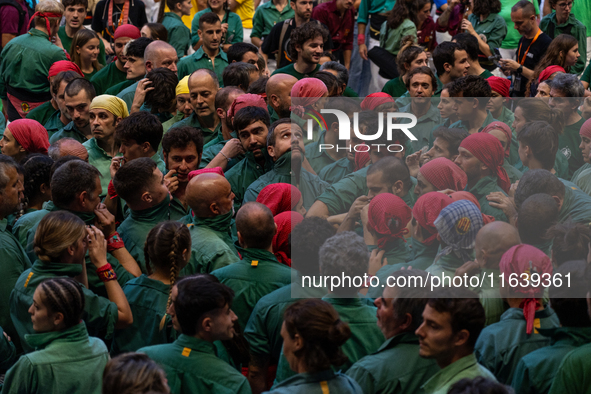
x,y
203,87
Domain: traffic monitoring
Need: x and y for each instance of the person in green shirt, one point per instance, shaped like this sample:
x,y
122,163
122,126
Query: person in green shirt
x,y
325,337
134,65
210,56
43,112
11,252
115,72
212,244
264,325
258,273
167,251
571,377
204,85
266,16
399,316
78,96
179,35
26,61
105,114
409,57
452,321
564,21
60,118
469,43
63,347
485,21
501,345
398,26
200,311
231,23
451,62
564,95
61,250
474,116
74,15
85,50
307,51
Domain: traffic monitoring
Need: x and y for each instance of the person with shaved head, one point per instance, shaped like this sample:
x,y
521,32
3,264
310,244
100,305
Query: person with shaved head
x,y
279,95
67,147
210,197
258,273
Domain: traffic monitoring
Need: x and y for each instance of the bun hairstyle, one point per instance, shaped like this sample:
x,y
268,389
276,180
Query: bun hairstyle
x,y
323,332
64,295
164,251
534,110
56,232
408,52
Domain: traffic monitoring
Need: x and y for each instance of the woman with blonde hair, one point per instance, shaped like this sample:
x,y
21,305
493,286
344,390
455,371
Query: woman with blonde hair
x,y
134,373
85,50
61,242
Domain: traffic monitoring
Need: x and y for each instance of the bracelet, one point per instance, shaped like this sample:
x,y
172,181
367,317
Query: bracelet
x,y
222,153
111,191
114,242
106,273
360,39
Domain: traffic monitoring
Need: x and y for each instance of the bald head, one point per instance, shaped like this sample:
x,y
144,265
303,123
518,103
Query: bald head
x,y
67,147
209,195
160,54
493,240
255,225
280,82
279,93
204,76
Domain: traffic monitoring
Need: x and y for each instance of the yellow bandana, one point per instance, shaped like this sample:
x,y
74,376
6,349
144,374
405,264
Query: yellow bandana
x,y
113,104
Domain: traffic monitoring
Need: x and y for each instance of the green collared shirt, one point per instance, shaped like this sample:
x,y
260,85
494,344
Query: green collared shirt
x,y
376,373
483,188
106,77
69,131
493,27
68,361
244,173
118,88
100,314
233,35
513,173
170,122
179,35
42,113
147,299
257,274
101,160
200,60
462,124
54,124
292,71
500,346
535,372
425,124
193,121
27,221
25,63
192,366
577,30
336,171
466,367
318,383
582,178
266,16
390,39
576,206
395,87
310,185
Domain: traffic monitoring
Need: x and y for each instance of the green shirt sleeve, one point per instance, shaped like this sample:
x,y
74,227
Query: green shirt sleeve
x,y
363,12
100,315
258,23
363,377
497,33
21,378
521,381
180,38
235,32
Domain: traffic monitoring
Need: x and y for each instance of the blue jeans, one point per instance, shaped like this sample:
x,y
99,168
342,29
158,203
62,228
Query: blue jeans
x,y
360,72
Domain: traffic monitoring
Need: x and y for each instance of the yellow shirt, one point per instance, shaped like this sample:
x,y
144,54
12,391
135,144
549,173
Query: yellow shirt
x,y
245,11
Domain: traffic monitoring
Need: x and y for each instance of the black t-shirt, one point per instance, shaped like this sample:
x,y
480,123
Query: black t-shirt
x,y
534,55
136,16
271,42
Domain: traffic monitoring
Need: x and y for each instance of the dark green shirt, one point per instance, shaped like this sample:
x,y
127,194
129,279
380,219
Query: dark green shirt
x,y
318,383
243,174
200,60
42,113
501,346
233,35
576,206
462,124
70,131
336,171
574,28
266,16
67,44
193,121
425,124
118,88
483,188
292,71
572,376
211,151
568,143
106,77
179,35
376,373
54,124
318,159
257,274
395,87
192,366
494,28
100,314
465,368
128,94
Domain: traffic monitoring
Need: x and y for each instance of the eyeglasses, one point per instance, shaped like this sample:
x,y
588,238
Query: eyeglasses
x,y
565,5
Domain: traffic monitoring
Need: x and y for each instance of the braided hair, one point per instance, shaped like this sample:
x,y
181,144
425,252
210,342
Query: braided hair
x,y
163,252
37,171
64,295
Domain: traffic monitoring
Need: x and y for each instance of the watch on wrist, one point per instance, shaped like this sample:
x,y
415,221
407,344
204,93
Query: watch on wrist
x,y
520,69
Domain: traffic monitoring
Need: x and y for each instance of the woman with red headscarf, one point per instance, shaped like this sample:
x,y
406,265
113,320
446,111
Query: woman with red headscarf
x,y
503,133
285,222
24,136
282,197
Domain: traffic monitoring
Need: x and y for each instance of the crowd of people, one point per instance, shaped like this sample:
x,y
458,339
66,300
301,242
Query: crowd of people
x,y
176,178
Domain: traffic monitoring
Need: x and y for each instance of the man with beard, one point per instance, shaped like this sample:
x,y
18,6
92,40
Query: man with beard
x,y
252,126
114,72
306,47
60,118
203,87
279,95
182,148
285,145
77,96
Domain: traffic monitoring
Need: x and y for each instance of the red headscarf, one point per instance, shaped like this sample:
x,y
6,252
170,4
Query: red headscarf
x,y
505,129
306,92
499,85
489,151
361,159
586,129
246,100
280,197
127,30
63,65
376,99
285,222
462,195
30,135
444,174
388,216
427,209
548,71
526,259
215,170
